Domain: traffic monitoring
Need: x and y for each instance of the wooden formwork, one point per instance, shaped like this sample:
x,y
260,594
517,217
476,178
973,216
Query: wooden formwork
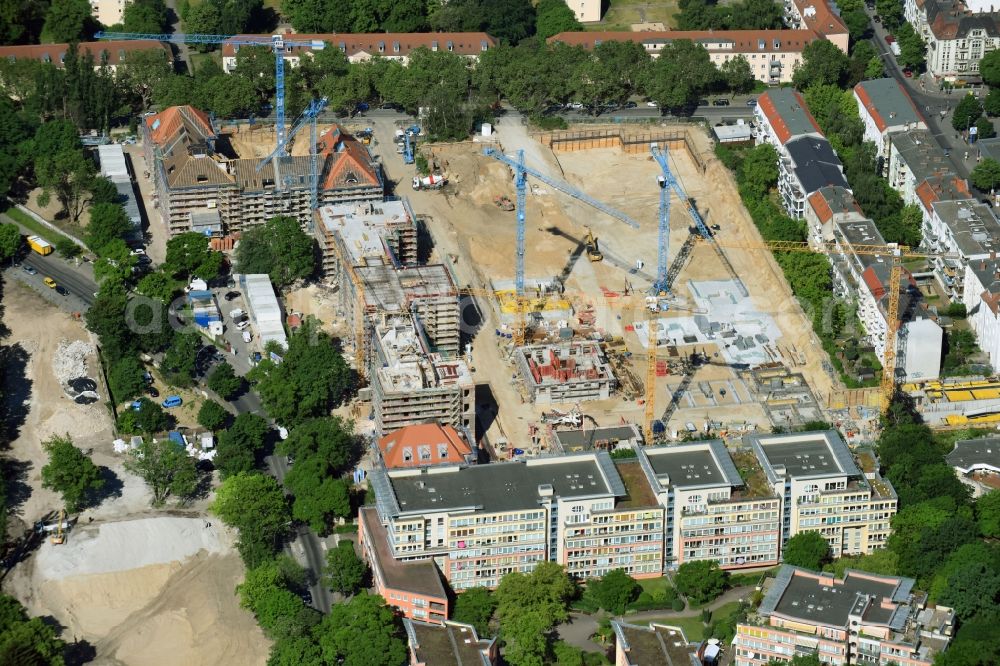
x,y
630,142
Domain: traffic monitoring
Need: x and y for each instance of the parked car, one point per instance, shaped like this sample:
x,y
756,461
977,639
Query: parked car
x,y
49,282
242,324
139,251
307,598
751,102
236,314
153,393
630,105
246,336
653,105
908,73
61,290
29,269
575,105
172,401
702,102
721,102
137,405
230,295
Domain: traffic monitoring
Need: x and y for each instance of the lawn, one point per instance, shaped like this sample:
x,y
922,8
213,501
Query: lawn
x,y
623,13
654,585
30,222
691,625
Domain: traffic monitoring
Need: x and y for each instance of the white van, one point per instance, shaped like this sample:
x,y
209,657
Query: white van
x,y
246,336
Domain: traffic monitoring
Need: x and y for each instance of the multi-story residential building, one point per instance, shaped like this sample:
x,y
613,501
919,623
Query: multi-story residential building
x,y
826,208
648,644
914,157
365,233
481,522
426,444
824,491
110,53
981,297
963,227
957,34
821,18
362,47
448,644
977,464
711,512
807,164
885,108
411,384
412,586
203,185
862,618
108,12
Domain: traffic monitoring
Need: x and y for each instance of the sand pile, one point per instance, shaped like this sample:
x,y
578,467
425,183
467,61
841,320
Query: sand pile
x,y
70,360
129,544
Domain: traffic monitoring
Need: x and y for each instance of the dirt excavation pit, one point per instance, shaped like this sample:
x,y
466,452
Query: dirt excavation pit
x,y
149,591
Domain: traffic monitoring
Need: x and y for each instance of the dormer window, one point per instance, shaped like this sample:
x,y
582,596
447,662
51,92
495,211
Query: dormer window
x,y
381,47
451,45
343,47
442,451
777,44
395,47
425,452
121,55
483,46
407,454
761,44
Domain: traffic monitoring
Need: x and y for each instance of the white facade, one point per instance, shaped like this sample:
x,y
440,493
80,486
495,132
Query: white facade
x,y
263,308
108,12
981,301
961,38
587,11
922,339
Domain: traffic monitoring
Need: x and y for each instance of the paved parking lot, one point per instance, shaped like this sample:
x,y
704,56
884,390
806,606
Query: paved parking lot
x,y
240,353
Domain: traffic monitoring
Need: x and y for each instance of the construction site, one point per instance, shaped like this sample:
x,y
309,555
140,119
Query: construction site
x,y
568,323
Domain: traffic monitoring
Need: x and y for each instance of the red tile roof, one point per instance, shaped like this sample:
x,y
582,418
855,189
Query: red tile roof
x,y
116,51
775,115
738,41
411,437
872,107
818,17
349,163
941,189
463,43
165,124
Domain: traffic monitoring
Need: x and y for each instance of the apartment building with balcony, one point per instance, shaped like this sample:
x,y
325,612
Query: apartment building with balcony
x,y
885,108
712,512
782,114
957,34
203,184
646,644
860,618
914,158
478,523
807,164
966,228
826,208
362,47
823,490
981,297
448,644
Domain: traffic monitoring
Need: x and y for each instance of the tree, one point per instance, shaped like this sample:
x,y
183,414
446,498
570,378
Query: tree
x,y
924,534
179,360
985,129
738,75
239,444
125,378
319,498
254,504
966,113
891,12
989,69
102,190
147,16
528,607
26,640
143,71
988,515
681,74
362,632
225,381
823,63
189,255
264,592
808,550
279,248
875,69
553,17
475,606
991,104
108,222
67,175
986,175
345,572
166,468
309,381
158,285
614,591
972,589
212,415
203,17
912,50
759,171
700,581
150,417
329,439
68,21
10,241
70,473
116,262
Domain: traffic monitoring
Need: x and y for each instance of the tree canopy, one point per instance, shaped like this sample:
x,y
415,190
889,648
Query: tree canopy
x,y
279,248
823,63
528,607
345,572
71,473
166,468
189,255
362,632
614,591
986,175
255,505
476,606
224,381
239,445
701,580
808,550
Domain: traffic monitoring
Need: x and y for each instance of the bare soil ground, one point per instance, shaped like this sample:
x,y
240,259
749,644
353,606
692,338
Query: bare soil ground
x,y
464,222
160,594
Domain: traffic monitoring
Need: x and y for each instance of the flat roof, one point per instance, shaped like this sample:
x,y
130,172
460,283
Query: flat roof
x,y
860,232
586,439
920,151
638,491
971,454
887,103
264,308
507,486
418,576
816,598
803,455
733,132
361,225
112,160
652,644
450,644
691,465
388,289
972,224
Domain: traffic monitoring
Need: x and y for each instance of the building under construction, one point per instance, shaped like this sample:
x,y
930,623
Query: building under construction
x,y
411,384
569,372
364,233
206,181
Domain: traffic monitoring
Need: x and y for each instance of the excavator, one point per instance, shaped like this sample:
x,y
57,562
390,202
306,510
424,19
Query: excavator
x,y
59,537
593,252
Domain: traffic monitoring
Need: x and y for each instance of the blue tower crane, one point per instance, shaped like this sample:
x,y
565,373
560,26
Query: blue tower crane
x,y
668,183
277,43
407,149
315,107
521,172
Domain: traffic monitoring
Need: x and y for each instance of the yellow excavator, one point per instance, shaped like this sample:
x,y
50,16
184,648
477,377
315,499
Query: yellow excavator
x,y
59,537
593,253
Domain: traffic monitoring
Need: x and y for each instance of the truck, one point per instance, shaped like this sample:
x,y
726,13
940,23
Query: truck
x,y
435,181
39,245
894,47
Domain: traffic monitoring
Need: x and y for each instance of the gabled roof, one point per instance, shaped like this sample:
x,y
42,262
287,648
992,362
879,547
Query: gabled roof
x,y
165,125
115,51
819,17
887,103
395,445
832,200
788,114
728,41
348,163
941,188
380,43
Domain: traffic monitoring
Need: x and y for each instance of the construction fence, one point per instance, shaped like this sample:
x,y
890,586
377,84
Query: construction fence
x,y
629,141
